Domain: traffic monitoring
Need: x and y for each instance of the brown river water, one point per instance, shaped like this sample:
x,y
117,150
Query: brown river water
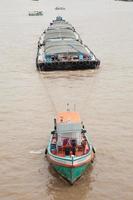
x,y
29,100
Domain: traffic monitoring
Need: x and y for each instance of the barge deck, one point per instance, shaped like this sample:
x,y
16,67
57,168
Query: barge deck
x,y
61,48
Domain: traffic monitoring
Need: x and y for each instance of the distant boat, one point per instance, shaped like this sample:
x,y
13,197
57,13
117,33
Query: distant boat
x,y
69,150
61,48
35,13
60,8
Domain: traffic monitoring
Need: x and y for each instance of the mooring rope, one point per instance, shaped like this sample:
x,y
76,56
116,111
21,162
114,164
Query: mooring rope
x,y
91,88
48,94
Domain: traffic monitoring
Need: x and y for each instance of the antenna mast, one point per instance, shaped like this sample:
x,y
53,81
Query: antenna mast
x,y
68,109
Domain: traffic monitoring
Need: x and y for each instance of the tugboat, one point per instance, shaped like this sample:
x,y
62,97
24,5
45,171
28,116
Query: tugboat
x,y
60,8
61,48
69,150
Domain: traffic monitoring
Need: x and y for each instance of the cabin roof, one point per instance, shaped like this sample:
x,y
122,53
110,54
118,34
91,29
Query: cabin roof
x,y
72,117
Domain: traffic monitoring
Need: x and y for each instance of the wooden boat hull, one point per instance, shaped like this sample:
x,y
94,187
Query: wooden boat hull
x,y
71,174
71,168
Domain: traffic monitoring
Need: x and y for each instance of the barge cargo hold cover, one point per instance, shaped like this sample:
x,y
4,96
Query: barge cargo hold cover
x,y
61,48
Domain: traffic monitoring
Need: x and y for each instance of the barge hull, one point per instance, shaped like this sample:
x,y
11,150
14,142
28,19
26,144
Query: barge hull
x,y
68,66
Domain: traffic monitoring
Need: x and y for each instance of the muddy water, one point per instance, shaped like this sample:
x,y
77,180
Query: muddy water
x,y
29,101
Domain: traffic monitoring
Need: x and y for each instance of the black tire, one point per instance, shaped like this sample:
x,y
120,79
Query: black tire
x,y
46,151
93,150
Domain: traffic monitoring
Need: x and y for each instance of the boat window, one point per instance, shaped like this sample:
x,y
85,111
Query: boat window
x,y
69,128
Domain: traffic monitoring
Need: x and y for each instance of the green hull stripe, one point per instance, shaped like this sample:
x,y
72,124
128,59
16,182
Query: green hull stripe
x,y
71,174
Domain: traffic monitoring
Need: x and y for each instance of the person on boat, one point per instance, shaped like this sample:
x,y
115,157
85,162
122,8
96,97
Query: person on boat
x,y
73,143
67,148
87,148
65,142
73,150
54,140
83,143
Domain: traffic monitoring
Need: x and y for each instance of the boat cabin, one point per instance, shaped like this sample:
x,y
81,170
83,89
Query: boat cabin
x,y
69,136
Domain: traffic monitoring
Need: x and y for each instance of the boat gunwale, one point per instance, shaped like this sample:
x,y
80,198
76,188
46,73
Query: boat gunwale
x,y
72,165
74,158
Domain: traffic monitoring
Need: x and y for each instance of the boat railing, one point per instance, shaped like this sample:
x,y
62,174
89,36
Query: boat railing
x,y
63,151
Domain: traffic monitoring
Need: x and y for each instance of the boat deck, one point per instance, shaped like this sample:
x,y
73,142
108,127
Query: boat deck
x,y
79,151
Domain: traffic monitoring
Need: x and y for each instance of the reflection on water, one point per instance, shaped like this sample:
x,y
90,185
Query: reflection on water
x,y
70,74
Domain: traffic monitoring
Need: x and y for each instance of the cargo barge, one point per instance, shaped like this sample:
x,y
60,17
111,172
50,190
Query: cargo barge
x,y
61,48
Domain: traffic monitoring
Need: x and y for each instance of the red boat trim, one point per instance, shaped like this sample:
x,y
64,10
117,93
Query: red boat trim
x,y
71,165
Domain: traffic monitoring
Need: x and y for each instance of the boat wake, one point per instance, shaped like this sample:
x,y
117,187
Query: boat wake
x,y
40,151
